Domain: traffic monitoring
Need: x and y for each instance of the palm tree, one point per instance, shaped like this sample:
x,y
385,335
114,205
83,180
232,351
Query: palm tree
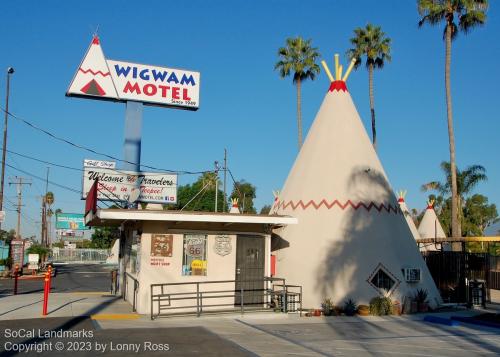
x,y
470,13
49,199
467,180
300,58
370,42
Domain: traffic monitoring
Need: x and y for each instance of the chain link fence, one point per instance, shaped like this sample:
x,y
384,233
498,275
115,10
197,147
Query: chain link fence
x,y
64,255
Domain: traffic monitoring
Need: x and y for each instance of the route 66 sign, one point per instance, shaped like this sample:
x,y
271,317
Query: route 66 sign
x,y
222,245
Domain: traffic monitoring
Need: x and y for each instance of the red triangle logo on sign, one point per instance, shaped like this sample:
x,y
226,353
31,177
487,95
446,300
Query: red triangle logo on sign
x,y
93,88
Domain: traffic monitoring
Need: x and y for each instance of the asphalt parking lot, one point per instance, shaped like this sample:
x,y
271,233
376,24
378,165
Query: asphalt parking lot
x,y
84,338
69,278
387,338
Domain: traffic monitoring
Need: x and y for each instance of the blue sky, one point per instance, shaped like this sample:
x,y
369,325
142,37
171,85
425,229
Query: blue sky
x,y
245,106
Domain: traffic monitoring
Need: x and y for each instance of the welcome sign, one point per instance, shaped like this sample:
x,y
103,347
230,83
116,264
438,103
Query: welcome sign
x,y
130,186
100,78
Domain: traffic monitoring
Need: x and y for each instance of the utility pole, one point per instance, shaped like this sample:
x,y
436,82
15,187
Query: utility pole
x,y
19,183
216,183
47,232
225,176
42,233
10,70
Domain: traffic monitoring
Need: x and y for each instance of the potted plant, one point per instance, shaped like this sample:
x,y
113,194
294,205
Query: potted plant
x,y
421,300
363,310
350,307
396,308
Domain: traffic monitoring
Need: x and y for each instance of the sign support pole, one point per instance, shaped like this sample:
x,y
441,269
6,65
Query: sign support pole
x,y
132,140
133,131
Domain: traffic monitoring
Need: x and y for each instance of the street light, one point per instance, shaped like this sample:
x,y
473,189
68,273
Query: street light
x,y
10,70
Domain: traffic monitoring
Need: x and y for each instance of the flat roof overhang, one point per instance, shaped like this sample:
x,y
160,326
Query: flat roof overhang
x,y
182,220
489,239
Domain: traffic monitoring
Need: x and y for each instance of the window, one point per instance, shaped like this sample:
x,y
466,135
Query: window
x,y
383,281
194,259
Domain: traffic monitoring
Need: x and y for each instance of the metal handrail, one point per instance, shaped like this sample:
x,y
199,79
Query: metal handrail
x,y
136,289
163,297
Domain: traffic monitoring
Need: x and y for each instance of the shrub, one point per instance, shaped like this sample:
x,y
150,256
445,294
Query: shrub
x,y
380,306
328,307
350,307
420,296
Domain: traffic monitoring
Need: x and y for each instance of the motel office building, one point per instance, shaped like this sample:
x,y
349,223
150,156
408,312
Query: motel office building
x,y
165,253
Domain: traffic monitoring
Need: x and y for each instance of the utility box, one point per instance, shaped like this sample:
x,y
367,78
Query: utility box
x,y
477,293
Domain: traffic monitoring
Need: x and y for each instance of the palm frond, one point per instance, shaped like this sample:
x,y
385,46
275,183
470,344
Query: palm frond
x,y
298,57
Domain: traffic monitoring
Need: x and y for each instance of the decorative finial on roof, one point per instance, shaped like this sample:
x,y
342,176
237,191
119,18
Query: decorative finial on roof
x,y
276,195
338,70
338,82
430,204
401,195
234,206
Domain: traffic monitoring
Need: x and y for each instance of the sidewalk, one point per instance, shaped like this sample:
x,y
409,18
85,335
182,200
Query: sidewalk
x,y
27,306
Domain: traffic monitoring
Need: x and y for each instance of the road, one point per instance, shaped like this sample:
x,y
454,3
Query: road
x,y
69,278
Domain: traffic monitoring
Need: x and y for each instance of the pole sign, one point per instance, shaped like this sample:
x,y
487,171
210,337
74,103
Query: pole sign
x,y
99,163
131,186
73,221
105,79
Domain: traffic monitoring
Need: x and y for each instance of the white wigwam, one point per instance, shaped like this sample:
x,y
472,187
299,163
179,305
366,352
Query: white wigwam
x,y
430,227
92,78
351,240
407,214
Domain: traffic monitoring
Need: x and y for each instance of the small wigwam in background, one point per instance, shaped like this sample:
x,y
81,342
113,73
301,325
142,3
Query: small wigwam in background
x,y
407,214
430,227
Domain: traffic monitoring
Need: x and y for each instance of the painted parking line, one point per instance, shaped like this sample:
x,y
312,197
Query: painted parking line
x,y
115,316
91,293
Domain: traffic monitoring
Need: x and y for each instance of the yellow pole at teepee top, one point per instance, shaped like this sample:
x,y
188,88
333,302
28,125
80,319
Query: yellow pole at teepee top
x,y
336,65
327,70
348,72
339,73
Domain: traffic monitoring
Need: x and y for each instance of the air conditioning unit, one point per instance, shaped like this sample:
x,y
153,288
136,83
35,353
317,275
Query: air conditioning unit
x,y
412,275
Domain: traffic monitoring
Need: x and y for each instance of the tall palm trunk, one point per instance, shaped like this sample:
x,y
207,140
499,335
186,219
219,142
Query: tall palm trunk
x,y
299,114
372,105
455,224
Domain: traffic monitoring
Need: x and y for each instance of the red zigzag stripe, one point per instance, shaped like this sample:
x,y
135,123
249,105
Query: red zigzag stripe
x,y
348,203
94,73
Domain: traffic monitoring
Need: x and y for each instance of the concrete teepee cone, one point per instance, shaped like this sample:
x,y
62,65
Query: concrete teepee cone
x,y
407,214
430,227
351,240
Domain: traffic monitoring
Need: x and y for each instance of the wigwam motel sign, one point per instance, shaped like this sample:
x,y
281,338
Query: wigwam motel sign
x,y
101,78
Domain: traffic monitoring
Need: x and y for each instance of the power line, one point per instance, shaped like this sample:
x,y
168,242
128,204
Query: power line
x,y
43,161
43,179
74,168
78,146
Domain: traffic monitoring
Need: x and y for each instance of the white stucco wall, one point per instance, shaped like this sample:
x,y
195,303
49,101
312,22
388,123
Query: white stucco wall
x,y
218,268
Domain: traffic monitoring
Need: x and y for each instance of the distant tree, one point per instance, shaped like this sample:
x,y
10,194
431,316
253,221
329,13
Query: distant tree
x,y
470,14
38,249
298,58
200,195
478,215
265,209
7,236
103,237
246,193
466,182
372,44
